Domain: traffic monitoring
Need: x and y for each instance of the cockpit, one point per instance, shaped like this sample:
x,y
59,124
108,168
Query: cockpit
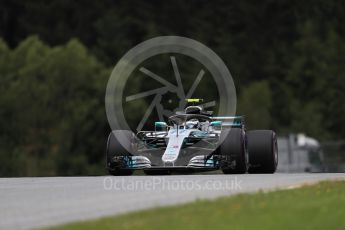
x,y
192,124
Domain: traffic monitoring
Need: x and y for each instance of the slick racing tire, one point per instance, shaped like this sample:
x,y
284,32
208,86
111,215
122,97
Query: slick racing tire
x,y
118,148
263,151
234,149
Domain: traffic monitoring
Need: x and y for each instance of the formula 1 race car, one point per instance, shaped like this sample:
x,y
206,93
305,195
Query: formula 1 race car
x,y
193,140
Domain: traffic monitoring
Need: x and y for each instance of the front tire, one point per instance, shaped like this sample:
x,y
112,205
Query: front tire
x,y
234,148
263,151
119,142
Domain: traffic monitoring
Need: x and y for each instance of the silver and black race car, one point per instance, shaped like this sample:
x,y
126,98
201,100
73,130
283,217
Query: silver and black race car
x,y
193,140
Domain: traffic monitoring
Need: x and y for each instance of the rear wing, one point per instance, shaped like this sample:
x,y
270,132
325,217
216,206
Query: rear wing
x,y
228,121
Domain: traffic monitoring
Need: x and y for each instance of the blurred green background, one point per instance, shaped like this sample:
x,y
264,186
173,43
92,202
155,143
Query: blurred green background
x,y
286,58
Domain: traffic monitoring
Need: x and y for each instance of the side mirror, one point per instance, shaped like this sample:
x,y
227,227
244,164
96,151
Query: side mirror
x,y
216,123
160,126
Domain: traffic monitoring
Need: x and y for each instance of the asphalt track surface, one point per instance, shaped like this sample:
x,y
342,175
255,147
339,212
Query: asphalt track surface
x,y
27,203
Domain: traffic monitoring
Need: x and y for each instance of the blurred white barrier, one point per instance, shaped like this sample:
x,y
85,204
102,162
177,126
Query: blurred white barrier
x,y
300,153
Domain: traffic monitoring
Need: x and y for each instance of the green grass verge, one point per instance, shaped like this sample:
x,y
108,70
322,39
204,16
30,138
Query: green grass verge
x,y
319,206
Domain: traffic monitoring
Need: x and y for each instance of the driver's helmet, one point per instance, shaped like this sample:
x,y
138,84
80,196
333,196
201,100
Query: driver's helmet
x,y
192,124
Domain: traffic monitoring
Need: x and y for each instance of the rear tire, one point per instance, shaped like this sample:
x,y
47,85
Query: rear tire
x,y
263,151
119,148
234,147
